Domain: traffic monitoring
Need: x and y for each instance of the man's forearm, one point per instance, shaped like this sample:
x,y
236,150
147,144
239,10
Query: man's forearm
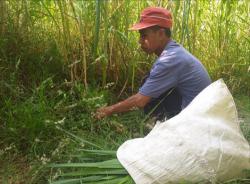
x,y
126,105
130,103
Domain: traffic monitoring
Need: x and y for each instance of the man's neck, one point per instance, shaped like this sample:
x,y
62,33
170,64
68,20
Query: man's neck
x,y
162,46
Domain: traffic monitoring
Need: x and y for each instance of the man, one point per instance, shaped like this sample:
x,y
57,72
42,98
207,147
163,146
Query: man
x,y
176,76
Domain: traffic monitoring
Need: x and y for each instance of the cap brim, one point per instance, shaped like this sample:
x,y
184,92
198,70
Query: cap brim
x,y
139,26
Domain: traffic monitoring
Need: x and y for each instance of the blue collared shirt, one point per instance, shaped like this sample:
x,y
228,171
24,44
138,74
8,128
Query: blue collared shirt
x,y
176,68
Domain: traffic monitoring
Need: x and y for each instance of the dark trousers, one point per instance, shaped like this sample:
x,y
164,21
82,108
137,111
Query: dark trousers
x,y
165,106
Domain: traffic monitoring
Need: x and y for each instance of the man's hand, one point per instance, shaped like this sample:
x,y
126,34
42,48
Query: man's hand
x,y
103,112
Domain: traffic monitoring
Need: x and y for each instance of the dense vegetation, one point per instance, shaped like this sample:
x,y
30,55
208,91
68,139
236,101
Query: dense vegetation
x,y
62,59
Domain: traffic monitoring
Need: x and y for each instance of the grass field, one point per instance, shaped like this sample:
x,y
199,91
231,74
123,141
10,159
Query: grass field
x,y
18,167
60,60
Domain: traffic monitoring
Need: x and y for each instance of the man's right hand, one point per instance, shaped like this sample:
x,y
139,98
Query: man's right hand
x,y
103,112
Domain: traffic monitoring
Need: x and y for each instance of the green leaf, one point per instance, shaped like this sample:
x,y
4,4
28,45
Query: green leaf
x,y
114,163
96,171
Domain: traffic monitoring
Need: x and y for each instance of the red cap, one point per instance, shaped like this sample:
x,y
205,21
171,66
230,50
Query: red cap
x,y
153,16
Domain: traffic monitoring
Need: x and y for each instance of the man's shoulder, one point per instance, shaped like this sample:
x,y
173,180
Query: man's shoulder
x,y
173,55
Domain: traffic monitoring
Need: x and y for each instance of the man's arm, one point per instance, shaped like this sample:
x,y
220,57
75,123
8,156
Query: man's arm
x,y
137,100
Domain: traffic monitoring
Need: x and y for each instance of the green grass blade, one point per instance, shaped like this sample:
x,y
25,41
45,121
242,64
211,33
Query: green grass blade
x,y
79,138
96,171
99,152
114,163
68,181
91,179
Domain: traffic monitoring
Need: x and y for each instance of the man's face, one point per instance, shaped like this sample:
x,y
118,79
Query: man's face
x,y
149,40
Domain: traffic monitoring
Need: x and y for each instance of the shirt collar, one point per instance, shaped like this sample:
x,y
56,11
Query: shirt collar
x,y
169,44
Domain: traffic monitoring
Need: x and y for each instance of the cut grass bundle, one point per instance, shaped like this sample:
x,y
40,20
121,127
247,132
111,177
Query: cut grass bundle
x,y
93,166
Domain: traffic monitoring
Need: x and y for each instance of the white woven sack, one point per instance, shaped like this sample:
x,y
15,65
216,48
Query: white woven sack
x,y
202,143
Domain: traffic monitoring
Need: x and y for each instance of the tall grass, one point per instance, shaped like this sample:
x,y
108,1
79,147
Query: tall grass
x,y
95,45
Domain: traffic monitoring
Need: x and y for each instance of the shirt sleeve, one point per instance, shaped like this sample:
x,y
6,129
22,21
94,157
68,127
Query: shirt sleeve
x,y
163,76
